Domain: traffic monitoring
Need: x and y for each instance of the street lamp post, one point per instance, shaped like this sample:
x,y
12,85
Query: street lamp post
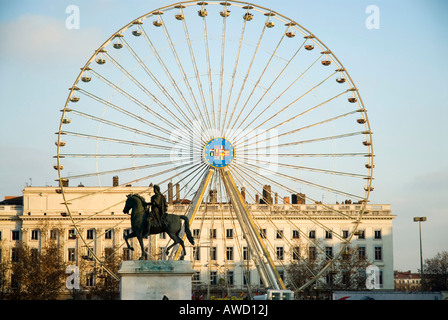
x,y
420,220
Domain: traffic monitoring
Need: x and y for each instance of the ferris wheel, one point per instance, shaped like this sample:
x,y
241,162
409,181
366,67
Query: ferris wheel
x,y
225,97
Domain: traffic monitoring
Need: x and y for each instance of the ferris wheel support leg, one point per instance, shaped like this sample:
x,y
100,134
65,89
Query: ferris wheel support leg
x,y
263,261
194,207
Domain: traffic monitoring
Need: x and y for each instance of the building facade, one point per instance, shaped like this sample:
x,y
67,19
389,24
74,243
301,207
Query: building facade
x,y
220,250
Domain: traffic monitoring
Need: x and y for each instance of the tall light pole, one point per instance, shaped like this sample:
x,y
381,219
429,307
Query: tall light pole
x,y
420,220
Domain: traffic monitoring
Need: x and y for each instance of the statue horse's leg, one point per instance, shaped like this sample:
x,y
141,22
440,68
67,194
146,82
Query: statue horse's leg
x,y
128,236
142,246
177,240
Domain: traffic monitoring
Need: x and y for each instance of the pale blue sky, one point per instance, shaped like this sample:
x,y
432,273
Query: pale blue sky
x,y
400,70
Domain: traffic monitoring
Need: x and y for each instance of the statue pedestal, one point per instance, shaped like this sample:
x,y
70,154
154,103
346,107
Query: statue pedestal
x,y
154,279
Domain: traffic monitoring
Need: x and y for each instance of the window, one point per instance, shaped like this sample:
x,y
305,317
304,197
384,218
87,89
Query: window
x,y
213,278
328,234
15,255
72,234
108,234
296,253
108,252
246,253
71,255
312,253
212,233
197,253
16,235
230,277
295,234
34,234
378,253
263,233
54,234
127,254
229,233
329,253
377,234
229,253
196,277
344,234
312,234
362,252
213,253
91,234
90,280
280,253
196,233
361,234
279,234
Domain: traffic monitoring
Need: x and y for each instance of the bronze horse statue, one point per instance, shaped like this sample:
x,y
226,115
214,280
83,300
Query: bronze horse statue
x,y
144,224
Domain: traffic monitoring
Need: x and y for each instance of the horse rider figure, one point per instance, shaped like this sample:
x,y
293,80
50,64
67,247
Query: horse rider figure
x,y
158,207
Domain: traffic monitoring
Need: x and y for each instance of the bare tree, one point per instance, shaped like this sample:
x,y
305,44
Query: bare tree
x,y
38,275
436,272
346,273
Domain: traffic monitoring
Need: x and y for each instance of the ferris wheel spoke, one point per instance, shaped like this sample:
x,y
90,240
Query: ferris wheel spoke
x,y
292,166
170,76
221,70
276,137
159,84
123,111
251,177
185,78
145,90
197,75
312,155
273,82
232,82
114,155
253,174
107,189
302,181
209,70
277,146
133,168
245,79
299,98
120,126
135,100
115,140
248,181
259,79
279,96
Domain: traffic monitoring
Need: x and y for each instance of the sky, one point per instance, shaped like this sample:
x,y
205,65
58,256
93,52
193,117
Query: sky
x,y
399,67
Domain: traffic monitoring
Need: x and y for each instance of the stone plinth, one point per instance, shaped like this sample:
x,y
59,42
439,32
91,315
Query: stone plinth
x,y
152,280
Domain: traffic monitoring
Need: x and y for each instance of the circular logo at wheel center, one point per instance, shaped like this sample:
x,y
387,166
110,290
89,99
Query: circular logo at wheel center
x,y
219,152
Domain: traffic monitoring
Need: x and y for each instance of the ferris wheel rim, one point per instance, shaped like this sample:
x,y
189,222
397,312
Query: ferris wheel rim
x,y
240,3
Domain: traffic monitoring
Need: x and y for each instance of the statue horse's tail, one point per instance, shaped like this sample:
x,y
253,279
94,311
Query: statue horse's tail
x,y
187,228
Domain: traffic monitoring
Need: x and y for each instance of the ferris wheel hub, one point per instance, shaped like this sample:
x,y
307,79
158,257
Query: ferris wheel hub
x,y
219,152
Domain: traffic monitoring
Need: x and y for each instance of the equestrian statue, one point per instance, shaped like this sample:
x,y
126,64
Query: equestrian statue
x,y
151,218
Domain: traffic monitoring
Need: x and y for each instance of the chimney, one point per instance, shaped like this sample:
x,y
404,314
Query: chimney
x,y
286,200
243,193
267,197
257,198
213,196
177,192
298,198
301,198
170,193
115,181
276,198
